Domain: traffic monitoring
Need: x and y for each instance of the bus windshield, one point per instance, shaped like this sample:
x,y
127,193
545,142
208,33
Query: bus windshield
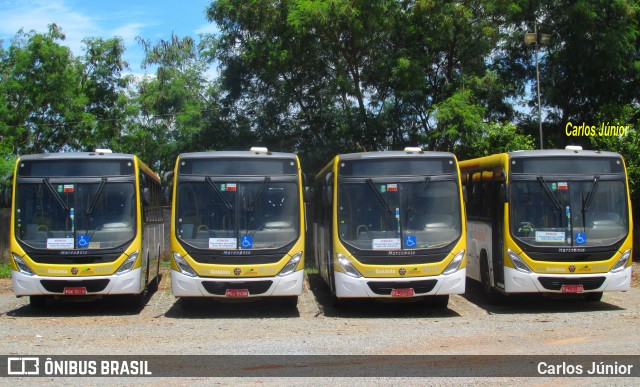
x,y
75,215
560,213
404,215
224,215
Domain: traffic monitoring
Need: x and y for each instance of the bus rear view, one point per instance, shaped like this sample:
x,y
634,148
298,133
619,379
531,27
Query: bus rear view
x,y
237,228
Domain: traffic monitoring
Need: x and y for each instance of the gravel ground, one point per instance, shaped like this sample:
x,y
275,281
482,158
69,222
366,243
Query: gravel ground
x,y
524,325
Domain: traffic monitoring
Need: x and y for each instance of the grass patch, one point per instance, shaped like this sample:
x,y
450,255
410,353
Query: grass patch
x,y
5,270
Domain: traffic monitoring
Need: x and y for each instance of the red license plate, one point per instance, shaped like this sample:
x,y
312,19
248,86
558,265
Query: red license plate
x,y
237,293
75,291
572,288
402,292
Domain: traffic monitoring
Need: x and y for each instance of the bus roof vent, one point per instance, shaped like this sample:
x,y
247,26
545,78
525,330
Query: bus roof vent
x,y
413,149
574,148
260,149
103,151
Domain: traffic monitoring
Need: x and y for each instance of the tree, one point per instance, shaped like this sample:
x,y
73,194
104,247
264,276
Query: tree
x,y
40,85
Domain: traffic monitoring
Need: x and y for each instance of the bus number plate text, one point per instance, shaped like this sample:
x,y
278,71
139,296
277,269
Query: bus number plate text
x,y
237,293
402,292
75,291
572,288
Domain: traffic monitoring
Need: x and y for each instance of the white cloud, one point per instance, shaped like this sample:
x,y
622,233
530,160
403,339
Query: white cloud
x,y
209,28
37,15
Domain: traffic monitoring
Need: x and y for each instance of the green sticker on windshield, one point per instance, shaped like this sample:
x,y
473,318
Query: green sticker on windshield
x,y
383,188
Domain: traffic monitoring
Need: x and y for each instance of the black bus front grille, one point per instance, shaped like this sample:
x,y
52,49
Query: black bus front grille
x,y
419,287
220,288
92,286
555,283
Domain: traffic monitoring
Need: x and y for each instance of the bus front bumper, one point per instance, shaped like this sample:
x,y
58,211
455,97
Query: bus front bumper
x,y
519,282
186,286
128,283
363,287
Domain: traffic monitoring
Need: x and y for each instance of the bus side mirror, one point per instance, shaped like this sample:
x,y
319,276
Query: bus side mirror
x,y
503,193
307,194
3,199
146,195
167,195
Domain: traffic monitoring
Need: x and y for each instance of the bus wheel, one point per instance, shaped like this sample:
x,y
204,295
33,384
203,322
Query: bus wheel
x,y
439,302
593,297
38,302
491,295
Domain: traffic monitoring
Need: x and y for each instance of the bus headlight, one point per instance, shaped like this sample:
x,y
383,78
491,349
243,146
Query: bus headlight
x,y
183,265
128,263
518,263
347,266
455,264
290,267
22,265
622,262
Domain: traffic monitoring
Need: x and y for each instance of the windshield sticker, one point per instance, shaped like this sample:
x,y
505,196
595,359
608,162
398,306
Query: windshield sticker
x,y
223,243
581,238
68,188
383,188
554,186
60,243
392,187
246,242
549,236
563,186
386,244
83,241
410,241
231,187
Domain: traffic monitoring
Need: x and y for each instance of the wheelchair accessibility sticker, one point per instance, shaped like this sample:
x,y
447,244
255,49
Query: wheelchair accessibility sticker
x,y
83,241
410,241
581,238
246,242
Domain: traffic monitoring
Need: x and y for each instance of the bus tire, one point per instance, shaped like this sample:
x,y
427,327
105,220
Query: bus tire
x,y
439,301
492,297
38,302
593,297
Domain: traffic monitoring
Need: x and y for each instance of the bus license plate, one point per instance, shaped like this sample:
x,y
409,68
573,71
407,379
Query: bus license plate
x,y
237,293
75,291
572,288
402,292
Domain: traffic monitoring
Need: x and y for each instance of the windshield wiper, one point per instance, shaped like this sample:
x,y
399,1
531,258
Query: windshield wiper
x,y
425,183
216,190
380,198
549,193
94,201
47,183
586,203
255,199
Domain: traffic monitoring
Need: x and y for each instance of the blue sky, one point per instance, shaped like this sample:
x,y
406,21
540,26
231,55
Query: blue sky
x,y
150,19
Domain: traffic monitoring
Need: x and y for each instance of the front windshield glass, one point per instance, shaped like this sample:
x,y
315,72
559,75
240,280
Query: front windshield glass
x,y
553,213
399,216
75,215
224,215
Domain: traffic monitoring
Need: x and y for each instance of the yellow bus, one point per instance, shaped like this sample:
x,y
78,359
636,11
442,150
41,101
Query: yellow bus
x,y
238,225
548,221
84,225
391,225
